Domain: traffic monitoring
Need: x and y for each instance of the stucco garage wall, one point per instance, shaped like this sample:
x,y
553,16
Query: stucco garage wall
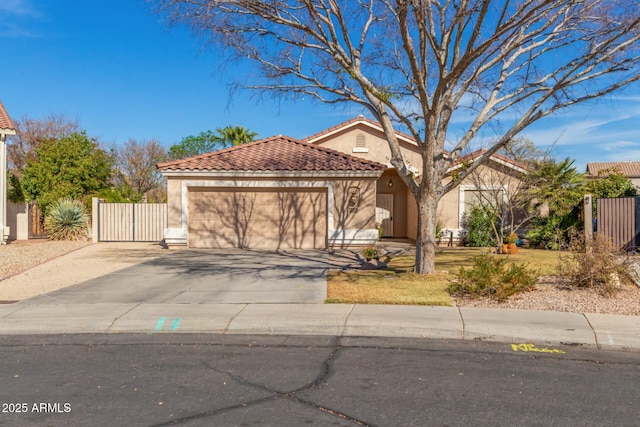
x,y
363,216
174,202
344,226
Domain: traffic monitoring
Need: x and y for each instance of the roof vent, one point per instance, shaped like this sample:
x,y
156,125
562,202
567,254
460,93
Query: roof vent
x,y
360,140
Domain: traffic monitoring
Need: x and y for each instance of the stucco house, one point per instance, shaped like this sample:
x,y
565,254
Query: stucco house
x,y
276,193
320,192
629,169
365,138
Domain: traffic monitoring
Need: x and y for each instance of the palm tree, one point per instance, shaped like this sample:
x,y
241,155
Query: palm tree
x,y
559,187
232,136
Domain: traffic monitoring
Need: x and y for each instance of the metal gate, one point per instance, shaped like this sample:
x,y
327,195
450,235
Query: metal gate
x,y
617,219
131,222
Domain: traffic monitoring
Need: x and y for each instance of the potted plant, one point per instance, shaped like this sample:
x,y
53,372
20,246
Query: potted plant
x,y
504,249
511,240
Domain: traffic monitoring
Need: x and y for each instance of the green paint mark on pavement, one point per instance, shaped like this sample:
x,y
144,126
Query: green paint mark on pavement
x,y
160,323
175,324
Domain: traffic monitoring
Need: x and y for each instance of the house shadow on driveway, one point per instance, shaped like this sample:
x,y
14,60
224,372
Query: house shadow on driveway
x,y
208,276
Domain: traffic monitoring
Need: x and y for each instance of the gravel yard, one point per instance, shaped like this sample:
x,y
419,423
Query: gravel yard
x,y
18,256
32,268
549,295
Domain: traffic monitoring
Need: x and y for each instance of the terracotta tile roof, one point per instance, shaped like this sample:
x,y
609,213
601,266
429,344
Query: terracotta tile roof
x,y
279,153
5,120
629,169
359,119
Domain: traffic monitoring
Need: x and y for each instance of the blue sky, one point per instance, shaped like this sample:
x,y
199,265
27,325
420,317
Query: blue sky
x,y
122,74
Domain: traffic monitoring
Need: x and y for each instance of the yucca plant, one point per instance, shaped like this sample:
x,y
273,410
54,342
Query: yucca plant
x,y
67,220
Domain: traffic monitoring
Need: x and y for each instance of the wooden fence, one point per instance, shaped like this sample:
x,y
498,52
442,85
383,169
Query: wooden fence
x,y
129,222
619,220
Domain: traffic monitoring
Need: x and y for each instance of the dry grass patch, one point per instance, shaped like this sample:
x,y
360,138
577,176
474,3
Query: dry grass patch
x,y
387,287
450,260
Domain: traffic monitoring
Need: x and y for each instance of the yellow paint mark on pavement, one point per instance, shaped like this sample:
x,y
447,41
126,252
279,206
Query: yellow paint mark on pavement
x,y
532,348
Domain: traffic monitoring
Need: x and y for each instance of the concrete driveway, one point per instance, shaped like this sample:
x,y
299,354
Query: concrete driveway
x,y
205,277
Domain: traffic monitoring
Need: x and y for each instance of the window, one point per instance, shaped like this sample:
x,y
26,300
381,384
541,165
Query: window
x,y
471,195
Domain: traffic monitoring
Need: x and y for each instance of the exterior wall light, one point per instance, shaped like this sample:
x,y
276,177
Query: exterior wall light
x,y
390,183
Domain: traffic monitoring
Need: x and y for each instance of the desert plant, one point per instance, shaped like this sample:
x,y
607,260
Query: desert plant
x,y
370,252
595,264
511,238
493,277
67,220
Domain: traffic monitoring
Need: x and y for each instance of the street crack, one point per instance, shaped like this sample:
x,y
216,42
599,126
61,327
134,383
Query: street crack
x,y
320,380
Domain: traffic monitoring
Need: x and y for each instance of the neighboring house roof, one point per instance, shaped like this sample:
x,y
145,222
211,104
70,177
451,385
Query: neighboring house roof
x,y
352,123
279,153
499,158
6,125
629,169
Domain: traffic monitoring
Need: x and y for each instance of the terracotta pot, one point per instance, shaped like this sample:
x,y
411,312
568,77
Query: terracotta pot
x,y
505,249
513,248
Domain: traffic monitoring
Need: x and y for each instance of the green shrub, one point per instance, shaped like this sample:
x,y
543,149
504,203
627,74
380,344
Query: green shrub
x,y
67,219
370,252
493,277
478,227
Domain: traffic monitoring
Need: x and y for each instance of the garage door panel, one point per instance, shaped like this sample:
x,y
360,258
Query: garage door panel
x,y
267,219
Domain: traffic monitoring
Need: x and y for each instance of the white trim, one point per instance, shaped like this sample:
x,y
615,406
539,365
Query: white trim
x,y
272,174
494,159
179,236
502,162
7,131
463,188
360,150
414,170
353,237
358,122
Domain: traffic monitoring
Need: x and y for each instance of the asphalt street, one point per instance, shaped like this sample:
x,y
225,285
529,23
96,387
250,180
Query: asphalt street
x,y
212,380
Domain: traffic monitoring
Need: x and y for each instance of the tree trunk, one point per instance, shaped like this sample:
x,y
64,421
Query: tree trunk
x,y
426,241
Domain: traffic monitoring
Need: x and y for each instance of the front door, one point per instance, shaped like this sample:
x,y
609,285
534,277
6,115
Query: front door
x,y
385,201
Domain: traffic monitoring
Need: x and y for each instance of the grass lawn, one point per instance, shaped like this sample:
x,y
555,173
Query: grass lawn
x,y
399,285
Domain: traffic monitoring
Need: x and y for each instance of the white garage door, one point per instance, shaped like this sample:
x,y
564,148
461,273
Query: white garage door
x,y
258,218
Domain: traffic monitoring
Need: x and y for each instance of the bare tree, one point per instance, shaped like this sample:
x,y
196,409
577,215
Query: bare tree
x,y
136,167
423,65
502,194
30,133
525,151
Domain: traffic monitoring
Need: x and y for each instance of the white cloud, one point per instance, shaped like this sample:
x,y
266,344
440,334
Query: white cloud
x,y
618,145
15,16
17,7
625,155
